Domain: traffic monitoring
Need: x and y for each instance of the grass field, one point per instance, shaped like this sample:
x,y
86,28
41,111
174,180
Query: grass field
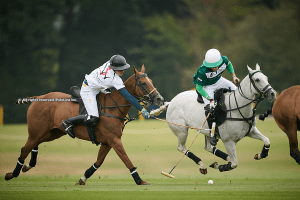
x,y
151,147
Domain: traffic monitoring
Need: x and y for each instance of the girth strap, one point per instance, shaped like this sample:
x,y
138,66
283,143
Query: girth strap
x,y
110,115
249,120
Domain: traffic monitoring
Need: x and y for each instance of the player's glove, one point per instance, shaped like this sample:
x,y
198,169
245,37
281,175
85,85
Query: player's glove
x,y
145,113
211,105
236,80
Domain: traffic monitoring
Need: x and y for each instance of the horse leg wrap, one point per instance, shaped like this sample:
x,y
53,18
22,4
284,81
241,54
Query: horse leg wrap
x,y
220,153
34,153
89,172
18,168
226,167
193,157
265,151
135,176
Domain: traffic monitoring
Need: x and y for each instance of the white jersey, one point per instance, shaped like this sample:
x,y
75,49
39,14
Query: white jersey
x,y
104,77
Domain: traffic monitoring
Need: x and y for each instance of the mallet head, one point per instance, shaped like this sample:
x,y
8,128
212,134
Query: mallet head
x,y
166,174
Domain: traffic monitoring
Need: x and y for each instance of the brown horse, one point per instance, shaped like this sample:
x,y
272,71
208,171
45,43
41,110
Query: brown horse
x,y
46,113
286,112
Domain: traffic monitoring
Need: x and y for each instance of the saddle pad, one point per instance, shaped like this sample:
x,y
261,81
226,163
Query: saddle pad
x,y
220,112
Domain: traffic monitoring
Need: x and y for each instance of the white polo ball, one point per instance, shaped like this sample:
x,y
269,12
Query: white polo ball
x,y
210,182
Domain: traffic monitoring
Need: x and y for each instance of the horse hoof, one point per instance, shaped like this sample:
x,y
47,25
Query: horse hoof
x,y
80,182
257,157
214,165
9,176
145,183
203,171
202,168
26,168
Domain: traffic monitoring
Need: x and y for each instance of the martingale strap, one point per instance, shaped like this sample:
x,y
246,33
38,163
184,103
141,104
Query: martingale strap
x,y
251,119
111,115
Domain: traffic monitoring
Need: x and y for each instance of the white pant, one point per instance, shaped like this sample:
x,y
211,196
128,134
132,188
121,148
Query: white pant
x,y
88,95
222,83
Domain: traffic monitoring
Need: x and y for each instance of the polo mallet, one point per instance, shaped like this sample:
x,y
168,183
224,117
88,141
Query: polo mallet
x,y
213,128
169,174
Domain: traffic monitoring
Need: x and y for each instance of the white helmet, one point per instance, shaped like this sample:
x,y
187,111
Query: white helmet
x,y
212,58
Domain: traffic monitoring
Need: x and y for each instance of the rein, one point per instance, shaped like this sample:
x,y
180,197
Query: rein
x,y
140,99
262,95
180,124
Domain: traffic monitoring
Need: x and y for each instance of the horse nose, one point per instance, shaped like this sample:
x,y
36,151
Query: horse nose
x,y
159,99
273,94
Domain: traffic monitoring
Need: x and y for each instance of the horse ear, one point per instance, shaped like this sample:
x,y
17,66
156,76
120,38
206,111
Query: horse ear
x,y
134,70
143,68
257,67
249,69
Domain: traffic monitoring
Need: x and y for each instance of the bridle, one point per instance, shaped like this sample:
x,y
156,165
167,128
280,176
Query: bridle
x,y
149,96
262,94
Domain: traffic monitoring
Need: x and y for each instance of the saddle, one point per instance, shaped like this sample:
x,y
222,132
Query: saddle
x,y
76,98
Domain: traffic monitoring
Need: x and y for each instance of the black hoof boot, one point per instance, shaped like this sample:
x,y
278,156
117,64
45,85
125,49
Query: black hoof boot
x,y
213,140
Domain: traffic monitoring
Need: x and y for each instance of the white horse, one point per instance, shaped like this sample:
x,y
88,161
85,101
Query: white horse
x,y
240,122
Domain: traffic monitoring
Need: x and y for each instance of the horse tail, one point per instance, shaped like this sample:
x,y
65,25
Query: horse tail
x,y
25,100
266,114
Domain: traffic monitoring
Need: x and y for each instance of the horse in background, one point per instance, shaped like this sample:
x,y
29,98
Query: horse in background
x,y
286,113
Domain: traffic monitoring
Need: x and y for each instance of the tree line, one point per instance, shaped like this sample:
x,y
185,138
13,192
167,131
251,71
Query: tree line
x,y
50,45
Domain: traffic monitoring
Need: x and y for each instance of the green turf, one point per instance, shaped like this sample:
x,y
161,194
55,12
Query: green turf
x,y
119,187
151,147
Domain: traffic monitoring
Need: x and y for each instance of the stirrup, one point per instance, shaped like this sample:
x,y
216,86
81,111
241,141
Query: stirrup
x,y
213,140
68,129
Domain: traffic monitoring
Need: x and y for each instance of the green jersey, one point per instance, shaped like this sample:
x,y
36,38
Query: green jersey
x,y
206,76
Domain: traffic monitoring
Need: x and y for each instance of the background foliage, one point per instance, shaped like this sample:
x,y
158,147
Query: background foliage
x,y
49,45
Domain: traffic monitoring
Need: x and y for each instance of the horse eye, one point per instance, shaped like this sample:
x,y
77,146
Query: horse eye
x,y
257,80
144,83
